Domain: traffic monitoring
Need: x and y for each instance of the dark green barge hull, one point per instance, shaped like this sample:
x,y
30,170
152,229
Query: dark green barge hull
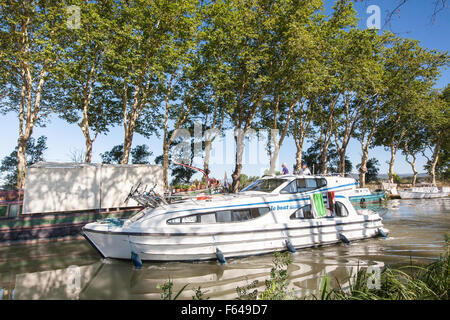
x,y
375,197
54,226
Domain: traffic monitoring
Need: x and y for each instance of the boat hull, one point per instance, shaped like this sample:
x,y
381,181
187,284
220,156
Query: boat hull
x,y
422,195
368,198
202,245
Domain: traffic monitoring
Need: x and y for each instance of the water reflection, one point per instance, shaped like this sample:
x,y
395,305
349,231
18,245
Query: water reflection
x,y
109,279
73,270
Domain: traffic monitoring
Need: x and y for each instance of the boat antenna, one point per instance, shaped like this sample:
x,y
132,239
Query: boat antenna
x,y
193,168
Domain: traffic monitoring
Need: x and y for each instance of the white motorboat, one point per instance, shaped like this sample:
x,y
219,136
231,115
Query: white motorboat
x,y
428,192
275,213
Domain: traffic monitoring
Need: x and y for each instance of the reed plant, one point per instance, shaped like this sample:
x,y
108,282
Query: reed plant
x,y
411,282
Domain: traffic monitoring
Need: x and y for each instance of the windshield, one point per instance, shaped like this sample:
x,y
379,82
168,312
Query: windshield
x,y
265,185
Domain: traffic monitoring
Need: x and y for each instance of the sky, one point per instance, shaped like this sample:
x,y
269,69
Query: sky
x,y
413,21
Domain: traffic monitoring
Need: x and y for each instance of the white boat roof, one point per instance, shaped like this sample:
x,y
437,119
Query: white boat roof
x,y
295,176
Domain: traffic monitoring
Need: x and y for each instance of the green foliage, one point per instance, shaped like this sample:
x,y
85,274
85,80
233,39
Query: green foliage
x,y
35,153
32,37
410,72
180,174
431,282
276,285
199,294
442,166
154,66
83,93
398,179
139,154
437,127
313,156
167,290
372,170
246,180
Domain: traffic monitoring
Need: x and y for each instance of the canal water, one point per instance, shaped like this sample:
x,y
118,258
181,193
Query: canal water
x,y
74,270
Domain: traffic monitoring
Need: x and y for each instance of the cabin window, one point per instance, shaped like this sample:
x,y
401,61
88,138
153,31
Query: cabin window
x,y
340,209
304,185
290,188
208,218
303,213
265,185
3,211
224,216
321,182
241,215
187,219
174,221
221,216
190,219
256,212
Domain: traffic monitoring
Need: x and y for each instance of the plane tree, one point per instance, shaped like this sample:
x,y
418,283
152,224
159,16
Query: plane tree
x,y
83,98
359,74
238,32
148,42
294,51
331,39
410,73
33,35
435,116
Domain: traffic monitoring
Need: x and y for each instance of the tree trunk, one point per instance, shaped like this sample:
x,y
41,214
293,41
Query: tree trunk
x,y
324,159
166,166
437,148
414,178
298,159
413,166
391,165
88,154
21,161
273,157
299,137
208,144
84,125
239,138
363,168
127,142
342,161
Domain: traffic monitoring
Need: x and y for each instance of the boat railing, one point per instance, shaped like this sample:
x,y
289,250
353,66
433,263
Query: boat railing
x,y
146,198
150,198
346,175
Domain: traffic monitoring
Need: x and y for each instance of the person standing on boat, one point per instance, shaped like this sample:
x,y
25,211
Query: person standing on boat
x,y
284,169
304,170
